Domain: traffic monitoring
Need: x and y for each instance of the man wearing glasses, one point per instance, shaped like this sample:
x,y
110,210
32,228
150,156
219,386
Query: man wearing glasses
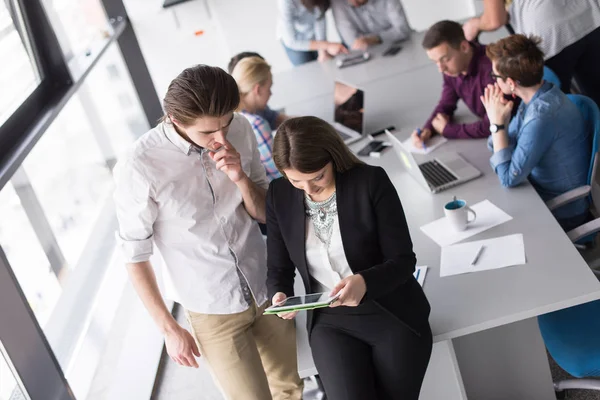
x,y
467,71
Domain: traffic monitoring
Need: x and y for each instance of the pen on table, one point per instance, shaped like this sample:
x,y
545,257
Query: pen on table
x,y
419,135
477,255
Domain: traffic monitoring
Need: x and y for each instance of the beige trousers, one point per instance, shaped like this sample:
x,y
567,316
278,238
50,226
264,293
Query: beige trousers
x,y
251,356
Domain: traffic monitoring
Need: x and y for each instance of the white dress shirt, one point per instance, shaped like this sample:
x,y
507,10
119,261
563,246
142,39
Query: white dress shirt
x,y
170,194
326,265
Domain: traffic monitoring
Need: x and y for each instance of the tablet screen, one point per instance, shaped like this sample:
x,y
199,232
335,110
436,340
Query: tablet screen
x,y
304,300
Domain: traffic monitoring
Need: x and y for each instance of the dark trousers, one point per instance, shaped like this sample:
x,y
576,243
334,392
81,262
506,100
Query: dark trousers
x,y
365,353
571,223
582,61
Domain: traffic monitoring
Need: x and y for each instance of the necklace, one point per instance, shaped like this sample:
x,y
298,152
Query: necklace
x,y
322,214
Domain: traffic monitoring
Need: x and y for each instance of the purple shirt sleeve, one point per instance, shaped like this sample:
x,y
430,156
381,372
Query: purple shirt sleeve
x,y
475,130
446,105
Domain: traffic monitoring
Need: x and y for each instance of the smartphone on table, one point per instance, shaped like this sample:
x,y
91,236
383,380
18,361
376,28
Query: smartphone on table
x,y
373,148
392,50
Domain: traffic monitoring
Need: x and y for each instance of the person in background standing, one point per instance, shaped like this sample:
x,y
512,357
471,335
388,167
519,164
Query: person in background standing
x,y
302,29
569,30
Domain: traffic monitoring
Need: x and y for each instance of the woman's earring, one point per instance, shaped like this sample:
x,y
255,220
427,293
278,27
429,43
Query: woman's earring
x,y
514,96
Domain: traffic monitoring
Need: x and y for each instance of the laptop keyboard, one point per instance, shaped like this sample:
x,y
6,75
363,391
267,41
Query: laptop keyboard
x,y
436,174
343,135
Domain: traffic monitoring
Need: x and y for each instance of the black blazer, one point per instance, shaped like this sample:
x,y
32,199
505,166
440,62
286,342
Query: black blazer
x,y
374,235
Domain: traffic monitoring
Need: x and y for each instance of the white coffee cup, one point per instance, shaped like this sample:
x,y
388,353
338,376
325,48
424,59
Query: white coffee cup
x,y
457,213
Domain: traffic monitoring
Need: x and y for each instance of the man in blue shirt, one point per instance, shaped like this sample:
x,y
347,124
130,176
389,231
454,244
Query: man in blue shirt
x,y
547,140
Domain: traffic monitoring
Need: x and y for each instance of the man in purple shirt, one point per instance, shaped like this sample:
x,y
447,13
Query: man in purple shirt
x,y
467,72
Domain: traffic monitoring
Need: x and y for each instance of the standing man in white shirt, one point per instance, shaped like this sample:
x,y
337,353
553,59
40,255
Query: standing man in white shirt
x,y
365,23
194,186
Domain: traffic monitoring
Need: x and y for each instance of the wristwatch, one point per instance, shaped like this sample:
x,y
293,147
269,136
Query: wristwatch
x,y
495,128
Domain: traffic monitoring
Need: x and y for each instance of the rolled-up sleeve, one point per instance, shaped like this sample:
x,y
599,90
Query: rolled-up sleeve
x,y
513,164
136,212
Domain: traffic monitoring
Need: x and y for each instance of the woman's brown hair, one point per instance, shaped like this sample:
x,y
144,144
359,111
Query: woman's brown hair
x,y
518,57
308,144
200,91
322,5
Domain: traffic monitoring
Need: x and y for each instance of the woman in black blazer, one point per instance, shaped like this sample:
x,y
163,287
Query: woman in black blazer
x,y
340,223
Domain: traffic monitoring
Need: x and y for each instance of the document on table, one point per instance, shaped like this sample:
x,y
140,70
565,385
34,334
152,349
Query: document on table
x,y
500,252
488,216
419,274
432,144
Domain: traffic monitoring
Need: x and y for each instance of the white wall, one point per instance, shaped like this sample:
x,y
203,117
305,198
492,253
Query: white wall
x,y
424,13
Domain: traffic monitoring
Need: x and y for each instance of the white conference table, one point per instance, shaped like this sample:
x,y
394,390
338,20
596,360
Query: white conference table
x,y
315,79
487,343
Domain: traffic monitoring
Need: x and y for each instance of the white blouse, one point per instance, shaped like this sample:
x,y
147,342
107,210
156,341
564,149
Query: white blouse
x,y
326,265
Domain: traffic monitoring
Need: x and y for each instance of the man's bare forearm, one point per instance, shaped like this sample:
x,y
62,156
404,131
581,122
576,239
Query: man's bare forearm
x,y
254,199
144,281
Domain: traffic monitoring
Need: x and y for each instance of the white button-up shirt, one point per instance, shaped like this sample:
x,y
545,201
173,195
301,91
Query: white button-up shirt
x,y
327,265
170,194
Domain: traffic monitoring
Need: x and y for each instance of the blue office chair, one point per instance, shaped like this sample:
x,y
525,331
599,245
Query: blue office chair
x,y
551,77
591,114
571,337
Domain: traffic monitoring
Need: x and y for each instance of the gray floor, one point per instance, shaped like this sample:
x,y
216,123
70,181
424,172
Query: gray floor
x,y
558,373
175,382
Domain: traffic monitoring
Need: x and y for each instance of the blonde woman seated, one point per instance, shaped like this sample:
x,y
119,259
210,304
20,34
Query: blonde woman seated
x,y
254,80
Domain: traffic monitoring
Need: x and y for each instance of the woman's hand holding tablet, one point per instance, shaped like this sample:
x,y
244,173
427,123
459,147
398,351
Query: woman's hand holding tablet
x,y
288,307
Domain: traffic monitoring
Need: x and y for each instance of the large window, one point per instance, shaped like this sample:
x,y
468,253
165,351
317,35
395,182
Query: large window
x,y
26,254
61,131
58,214
10,385
19,73
78,23
70,177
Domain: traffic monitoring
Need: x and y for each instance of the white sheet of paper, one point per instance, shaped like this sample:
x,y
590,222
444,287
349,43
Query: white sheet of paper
x,y
488,216
432,144
500,252
419,274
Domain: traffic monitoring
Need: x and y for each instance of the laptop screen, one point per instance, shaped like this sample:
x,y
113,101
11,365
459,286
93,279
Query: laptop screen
x,y
349,106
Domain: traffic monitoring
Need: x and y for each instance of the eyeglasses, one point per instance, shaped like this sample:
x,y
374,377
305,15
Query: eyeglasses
x,y
495,77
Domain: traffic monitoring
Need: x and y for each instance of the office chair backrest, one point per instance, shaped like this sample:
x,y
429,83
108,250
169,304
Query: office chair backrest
x,y
551,77
591,114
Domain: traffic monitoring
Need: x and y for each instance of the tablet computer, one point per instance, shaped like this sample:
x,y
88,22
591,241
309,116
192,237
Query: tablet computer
x,y
299,303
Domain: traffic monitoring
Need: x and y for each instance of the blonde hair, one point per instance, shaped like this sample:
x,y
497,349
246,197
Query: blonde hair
x,y
249,72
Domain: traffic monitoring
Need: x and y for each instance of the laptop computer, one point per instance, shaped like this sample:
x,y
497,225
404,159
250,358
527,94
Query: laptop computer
x,y
437,174
348,115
